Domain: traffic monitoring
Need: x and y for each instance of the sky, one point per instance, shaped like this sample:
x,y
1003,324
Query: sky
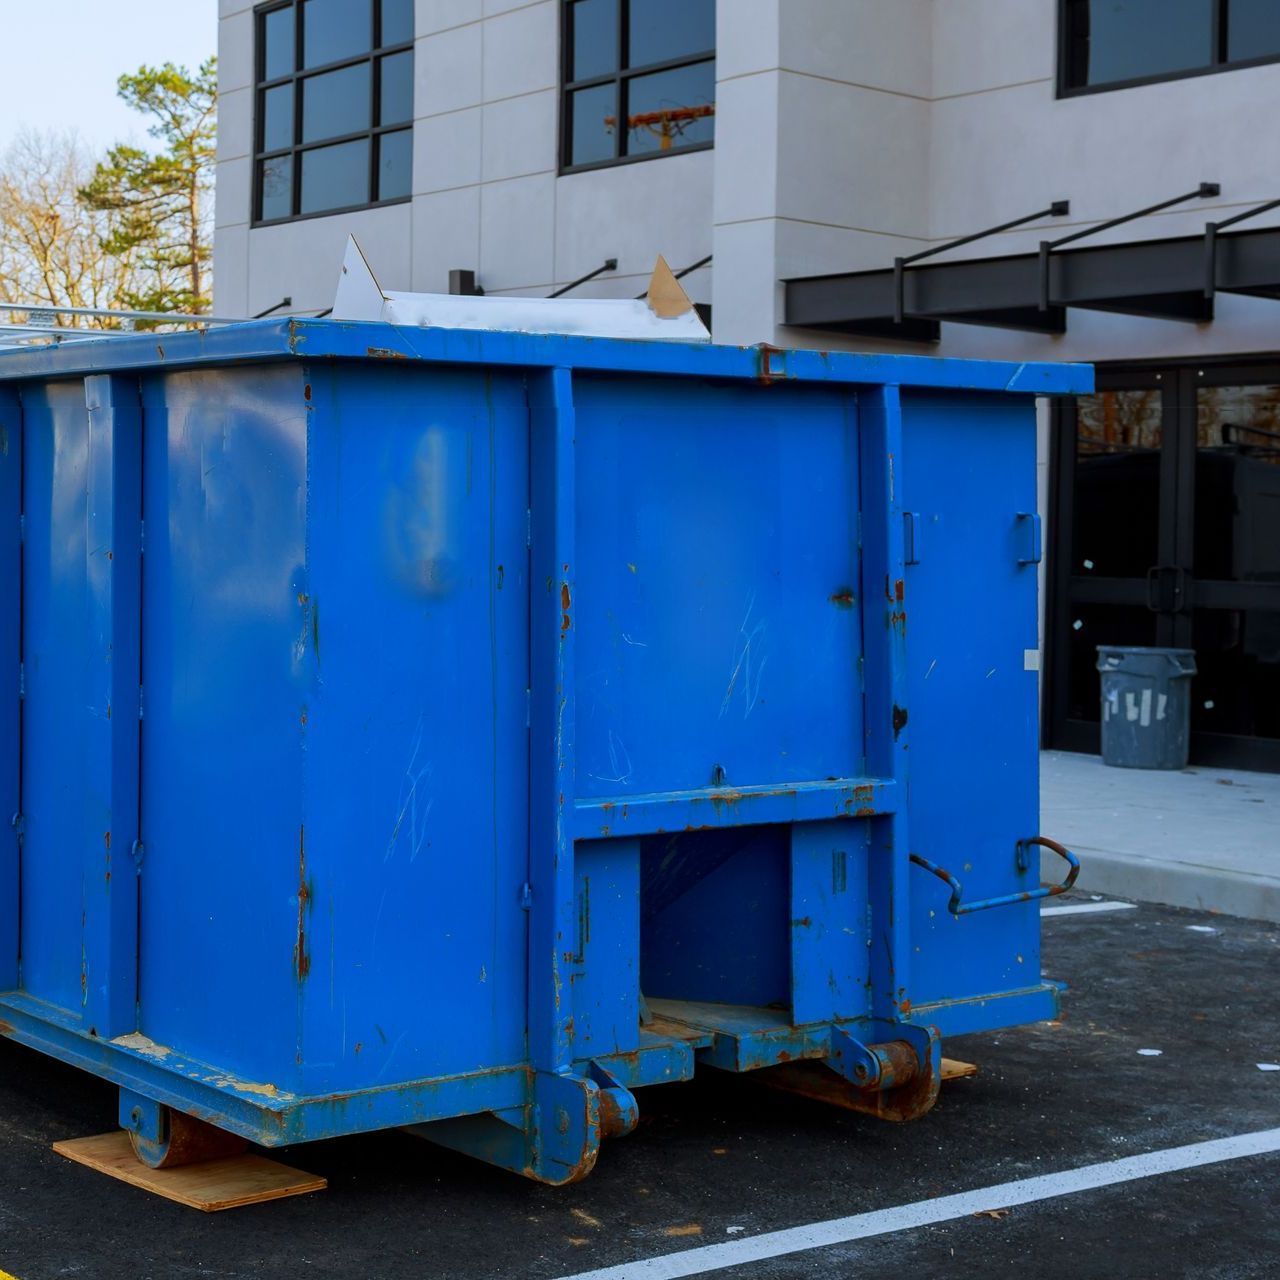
x,y
60,59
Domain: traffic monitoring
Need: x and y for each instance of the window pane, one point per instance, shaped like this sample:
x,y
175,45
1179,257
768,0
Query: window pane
x,y
1237,529
336,103
397,21
1119,435
1127,39
397,89
1253,29
593,124
665,29
277,43
595,38
335,177
277,118
671,109
395,164
334,29
276,181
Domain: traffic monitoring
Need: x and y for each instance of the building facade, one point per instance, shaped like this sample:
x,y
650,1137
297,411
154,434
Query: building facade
x,y
789,151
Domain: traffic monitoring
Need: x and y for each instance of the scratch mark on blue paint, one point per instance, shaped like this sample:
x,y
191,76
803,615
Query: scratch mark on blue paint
x,y
743,666
619,761
410,806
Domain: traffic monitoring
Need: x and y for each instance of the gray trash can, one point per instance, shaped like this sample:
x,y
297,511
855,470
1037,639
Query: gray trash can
x,y
1146,706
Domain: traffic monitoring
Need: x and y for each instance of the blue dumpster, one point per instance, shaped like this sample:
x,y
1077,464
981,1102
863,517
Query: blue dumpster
x,y
461,730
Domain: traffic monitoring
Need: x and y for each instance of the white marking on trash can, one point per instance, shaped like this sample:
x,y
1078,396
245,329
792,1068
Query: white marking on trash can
x,y
1146,708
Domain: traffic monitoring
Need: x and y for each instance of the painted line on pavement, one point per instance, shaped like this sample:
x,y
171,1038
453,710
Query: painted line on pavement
x,y
1088,908
923,1213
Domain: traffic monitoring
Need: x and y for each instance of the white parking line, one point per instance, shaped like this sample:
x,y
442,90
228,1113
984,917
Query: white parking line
x,y
923,1213
1087,908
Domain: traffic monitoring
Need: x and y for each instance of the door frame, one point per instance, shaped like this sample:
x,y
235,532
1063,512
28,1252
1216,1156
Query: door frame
x,y
1179,593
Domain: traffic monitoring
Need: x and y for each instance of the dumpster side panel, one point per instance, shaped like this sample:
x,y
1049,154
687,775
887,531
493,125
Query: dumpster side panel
x,y
225,687
56,628
718,629
10,658
417,768
969,470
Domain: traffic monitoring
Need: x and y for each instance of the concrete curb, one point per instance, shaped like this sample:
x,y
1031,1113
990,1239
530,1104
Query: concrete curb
x,y
1175,884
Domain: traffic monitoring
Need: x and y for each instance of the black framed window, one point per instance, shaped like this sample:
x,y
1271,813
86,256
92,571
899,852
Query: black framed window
x,y
1112,44
639,80
333,121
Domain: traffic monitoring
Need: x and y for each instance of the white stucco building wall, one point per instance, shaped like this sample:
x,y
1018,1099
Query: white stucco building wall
x,y
847,131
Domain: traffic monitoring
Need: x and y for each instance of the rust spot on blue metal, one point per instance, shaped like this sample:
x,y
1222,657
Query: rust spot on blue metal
x,y
301,956
843,599
767,374
899,720
385,353
565,602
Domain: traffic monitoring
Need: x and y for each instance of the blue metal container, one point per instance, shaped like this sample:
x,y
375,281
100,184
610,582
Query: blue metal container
x,y
462,730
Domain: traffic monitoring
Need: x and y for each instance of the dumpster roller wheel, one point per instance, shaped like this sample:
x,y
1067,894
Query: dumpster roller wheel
x,y
163,1138
898,1080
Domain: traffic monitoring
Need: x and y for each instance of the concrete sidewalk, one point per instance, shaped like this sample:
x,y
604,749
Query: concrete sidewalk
x,y
1202,838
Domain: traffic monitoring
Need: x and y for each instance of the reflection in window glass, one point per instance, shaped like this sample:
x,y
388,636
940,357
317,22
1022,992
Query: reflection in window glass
x,y
659,59
1237,529
671,108
395,164
661,30
277,118
336,103
1253,30
1117,500
275,177
397,89
594,124
340,88
1237,539
335,29
335,177
277,43
595,38
397,22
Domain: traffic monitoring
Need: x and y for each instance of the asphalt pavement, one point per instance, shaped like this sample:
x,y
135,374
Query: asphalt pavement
x,y
1171,1022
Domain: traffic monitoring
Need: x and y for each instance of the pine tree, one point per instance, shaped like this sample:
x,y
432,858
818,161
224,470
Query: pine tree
x,y
161,202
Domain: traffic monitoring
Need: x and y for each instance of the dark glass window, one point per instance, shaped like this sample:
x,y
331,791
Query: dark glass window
x,y
639,79
1253,30
334,106
1111,43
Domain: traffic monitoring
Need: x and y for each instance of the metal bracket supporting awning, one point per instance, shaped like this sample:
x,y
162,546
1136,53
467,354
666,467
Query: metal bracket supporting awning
x,y
1175,279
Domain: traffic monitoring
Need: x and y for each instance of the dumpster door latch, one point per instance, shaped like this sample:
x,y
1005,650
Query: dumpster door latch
x,y
1029,527
526,896
911,537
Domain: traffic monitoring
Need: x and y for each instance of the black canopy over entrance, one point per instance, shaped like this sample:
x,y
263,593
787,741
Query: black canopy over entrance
x,y
1174,279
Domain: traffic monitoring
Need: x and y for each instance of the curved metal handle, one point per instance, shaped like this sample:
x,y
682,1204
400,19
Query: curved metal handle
x,y
958,907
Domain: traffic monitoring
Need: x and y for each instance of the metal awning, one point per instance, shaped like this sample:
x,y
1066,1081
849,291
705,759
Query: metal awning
x,y
1174,279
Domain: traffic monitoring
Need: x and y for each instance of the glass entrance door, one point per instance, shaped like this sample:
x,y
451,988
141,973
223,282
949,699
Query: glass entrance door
x,y
1167,532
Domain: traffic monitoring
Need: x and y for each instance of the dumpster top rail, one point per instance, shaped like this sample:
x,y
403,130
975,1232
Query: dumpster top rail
x,y
277,339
